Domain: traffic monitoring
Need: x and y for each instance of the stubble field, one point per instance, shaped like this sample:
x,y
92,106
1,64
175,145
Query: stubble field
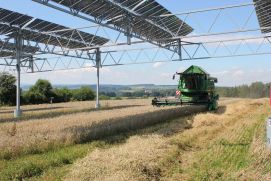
x,y
131,140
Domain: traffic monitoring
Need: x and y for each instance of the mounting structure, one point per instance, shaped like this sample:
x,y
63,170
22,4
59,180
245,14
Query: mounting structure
x,y
21,27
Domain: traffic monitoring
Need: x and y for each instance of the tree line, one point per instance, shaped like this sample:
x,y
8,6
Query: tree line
x,y
254,90
41,92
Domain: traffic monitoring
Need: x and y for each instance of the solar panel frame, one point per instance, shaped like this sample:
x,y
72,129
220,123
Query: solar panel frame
x,y
7,46
37,30
263,11
5,53
13,17
145,15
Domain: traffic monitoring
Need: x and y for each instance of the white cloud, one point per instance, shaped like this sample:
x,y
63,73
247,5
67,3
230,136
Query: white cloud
x,y
234,39
224,72
238,73
232,72
237,76
73,76
158,64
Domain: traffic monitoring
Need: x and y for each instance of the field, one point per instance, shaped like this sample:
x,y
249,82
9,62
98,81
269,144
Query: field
x,y
131,140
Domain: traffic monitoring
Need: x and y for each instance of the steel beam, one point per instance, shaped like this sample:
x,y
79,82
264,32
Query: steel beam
x,y
98,65
180,49
18,41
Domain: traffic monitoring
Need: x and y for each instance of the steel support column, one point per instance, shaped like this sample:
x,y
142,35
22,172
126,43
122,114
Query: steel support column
x,y
18,41
180,49
31,64
129,29
98,65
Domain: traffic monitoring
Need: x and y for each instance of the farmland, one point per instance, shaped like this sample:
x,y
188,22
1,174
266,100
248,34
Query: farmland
x,y
131,140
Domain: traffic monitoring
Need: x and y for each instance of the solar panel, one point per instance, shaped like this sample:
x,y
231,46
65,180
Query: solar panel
x,y
144,13
10,54
6,46
6,54
263,11
37,30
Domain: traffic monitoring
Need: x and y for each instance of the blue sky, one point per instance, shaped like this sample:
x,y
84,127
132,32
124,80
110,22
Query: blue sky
x,y
230,71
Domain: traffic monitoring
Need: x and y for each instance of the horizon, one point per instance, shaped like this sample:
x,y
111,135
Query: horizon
x,y
229,71
145,84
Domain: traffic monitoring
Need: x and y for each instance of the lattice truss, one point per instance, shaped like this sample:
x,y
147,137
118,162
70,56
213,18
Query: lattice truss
x,y
132,32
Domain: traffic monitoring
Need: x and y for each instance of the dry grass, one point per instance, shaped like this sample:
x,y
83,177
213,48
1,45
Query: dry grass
x,y
226,145
43,110
218,145
38,135
132,160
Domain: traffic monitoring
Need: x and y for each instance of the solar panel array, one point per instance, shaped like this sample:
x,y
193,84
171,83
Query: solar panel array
x,y
146,16
263,11
12,47
5,53
9,49
45,32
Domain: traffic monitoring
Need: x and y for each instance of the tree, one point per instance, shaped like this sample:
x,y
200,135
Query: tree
x,y
85,93
41,92
111,94
62,95
127,94
7,89
257,90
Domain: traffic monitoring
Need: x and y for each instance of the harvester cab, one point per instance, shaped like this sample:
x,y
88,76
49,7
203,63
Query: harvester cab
x,y
195,87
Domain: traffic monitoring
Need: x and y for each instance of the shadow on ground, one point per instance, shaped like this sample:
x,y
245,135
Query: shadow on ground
x,y
34,109
162,122
130,125
61,113
221,110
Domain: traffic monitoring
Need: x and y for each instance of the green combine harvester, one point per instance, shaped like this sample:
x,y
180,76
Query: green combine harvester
x,y
196,87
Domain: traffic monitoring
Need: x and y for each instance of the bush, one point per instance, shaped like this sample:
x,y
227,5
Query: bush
x,y
40,93
83,94
104,97
117,98
34,97
127,94
62,95
7,89
111,94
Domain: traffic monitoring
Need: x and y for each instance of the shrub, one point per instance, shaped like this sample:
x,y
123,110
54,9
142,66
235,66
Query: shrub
x,y
34,97
117,98
111,94
7,89
62,95
83,94
40,93
104,97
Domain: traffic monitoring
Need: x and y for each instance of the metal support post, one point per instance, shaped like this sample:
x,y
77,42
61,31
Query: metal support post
x,y
18,41
180,49
98,65
129,29
268,133
128,36
31,64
